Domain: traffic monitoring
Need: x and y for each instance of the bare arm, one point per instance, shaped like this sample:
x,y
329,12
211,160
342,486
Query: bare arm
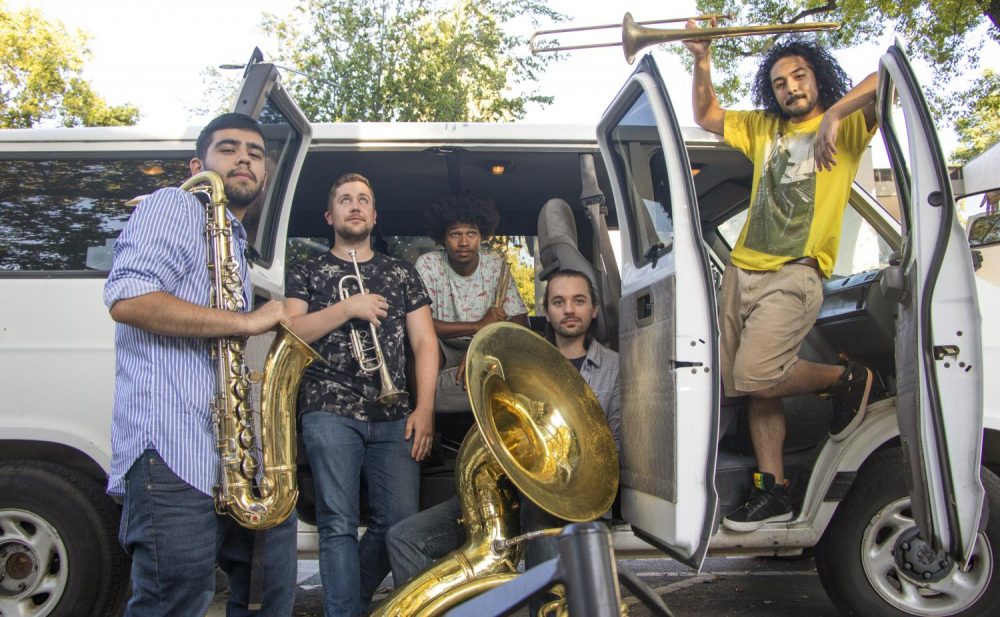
x,y
861,96
454,329
162,313
707,112
313,326
423,341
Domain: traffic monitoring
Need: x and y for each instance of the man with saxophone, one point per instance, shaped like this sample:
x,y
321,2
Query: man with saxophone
x,y
806,144
469,289
352,421
164,458
570,309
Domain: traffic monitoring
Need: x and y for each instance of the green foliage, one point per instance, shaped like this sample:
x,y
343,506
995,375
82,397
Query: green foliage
x,y
933,30
411,60
40,66
978,127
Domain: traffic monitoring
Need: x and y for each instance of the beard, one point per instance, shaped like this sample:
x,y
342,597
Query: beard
x,y
241,195
572,331
798,112
353,234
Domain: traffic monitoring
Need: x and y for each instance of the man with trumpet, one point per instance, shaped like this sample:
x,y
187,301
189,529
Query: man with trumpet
x,y
806,144
469,289
359,309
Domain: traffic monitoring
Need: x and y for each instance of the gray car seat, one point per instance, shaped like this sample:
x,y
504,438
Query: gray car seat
x,y
557,242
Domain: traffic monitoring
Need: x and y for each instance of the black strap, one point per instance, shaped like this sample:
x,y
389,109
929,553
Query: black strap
x,y
256,596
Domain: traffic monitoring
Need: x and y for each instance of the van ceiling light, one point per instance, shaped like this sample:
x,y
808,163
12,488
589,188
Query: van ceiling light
x,y
151,169
499,168
695,170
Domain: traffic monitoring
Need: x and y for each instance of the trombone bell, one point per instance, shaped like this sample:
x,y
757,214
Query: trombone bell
x,y
635,37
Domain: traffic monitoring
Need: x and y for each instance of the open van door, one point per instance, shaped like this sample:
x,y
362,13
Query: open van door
x,y
668,345
286,134
938,339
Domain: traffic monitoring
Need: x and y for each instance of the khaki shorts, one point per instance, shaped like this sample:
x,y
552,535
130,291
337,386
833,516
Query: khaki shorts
x,y
763,318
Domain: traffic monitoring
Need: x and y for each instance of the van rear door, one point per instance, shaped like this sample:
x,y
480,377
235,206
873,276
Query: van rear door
x,y
287,134
938,339
667,326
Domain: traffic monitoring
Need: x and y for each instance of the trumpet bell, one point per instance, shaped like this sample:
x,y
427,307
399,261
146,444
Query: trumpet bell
x,y
541,422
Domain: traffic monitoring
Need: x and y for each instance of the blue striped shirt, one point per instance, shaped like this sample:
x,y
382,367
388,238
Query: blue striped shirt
x,y
164,384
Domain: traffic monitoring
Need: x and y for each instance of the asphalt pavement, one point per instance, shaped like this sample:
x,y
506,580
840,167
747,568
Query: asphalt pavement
x,y
740,587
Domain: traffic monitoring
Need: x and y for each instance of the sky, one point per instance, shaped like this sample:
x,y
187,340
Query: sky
x,y
152,53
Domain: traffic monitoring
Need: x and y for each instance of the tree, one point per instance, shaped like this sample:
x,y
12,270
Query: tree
x,y
978,127
936,31
40,76
411,60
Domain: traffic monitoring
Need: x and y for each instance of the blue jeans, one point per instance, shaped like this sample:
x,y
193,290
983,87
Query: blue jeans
x,y
420,540
339,450
175,538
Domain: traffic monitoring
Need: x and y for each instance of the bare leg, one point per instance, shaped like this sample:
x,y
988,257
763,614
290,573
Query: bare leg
x,y
767,418
767,432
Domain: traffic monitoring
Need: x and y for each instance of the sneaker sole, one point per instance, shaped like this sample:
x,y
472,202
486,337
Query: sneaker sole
x,y
755,525
860,416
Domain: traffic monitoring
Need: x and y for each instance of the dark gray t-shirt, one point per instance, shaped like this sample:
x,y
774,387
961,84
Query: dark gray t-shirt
x,y
339,385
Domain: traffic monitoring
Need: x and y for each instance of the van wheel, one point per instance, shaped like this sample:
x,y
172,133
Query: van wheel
x,y
862,557
59,553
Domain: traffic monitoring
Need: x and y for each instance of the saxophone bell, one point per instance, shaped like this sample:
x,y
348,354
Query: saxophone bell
x,y
365,346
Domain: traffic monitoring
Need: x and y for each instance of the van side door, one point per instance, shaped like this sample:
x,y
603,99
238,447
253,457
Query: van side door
x,y
938,338
286,134
668,330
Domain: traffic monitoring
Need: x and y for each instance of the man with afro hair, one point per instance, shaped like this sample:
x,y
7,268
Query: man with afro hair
x,y
806,142
463,282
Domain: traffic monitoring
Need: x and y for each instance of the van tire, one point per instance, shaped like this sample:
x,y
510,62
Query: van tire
x,y
53,506
878,492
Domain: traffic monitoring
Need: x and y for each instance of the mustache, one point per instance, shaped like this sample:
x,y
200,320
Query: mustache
x,y
794,98
233,173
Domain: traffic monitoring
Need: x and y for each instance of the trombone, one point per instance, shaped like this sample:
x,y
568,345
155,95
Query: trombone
x,y
636,36
538,49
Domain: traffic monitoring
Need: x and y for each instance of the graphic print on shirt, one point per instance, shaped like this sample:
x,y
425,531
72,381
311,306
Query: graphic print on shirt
x,y
782,213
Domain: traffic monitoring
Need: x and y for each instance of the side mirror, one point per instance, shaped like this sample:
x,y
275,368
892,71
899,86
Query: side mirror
x,y
984,229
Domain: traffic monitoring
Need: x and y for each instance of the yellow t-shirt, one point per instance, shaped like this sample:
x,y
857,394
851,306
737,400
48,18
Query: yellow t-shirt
x,y
795,210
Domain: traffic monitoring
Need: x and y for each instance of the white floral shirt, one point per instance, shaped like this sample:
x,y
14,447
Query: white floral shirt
x,y
465,298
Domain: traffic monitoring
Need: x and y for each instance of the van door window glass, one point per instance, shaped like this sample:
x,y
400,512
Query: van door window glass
x,y
282,143
894,131
63,215
861,248
639,159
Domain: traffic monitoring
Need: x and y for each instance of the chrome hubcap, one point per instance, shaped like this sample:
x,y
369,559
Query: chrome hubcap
x,y
33,566
931,585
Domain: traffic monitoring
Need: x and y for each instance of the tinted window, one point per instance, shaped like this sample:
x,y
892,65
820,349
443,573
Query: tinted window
x,y
63,215
639,158
282,143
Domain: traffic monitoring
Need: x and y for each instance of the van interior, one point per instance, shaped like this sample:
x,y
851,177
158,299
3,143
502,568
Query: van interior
x,y
856,319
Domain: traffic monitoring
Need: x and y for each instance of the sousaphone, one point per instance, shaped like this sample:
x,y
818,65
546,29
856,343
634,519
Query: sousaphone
x,y
539,426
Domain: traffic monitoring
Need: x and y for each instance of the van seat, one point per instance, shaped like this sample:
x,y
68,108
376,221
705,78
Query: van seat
x,y
557,243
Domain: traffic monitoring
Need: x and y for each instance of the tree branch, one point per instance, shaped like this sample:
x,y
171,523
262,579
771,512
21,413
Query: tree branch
x,y
831,5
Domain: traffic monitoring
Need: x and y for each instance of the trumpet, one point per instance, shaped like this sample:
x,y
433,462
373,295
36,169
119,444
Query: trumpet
x,y
369,356
636,37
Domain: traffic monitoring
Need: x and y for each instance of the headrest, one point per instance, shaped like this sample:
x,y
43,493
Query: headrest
x,y
556,224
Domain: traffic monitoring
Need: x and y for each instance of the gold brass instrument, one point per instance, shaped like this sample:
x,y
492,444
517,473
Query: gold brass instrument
x,y
369,355
537,48
258,495
538,424
636,37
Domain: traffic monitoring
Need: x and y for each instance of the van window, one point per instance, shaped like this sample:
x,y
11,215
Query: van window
x,y
861,247
62,215
639,159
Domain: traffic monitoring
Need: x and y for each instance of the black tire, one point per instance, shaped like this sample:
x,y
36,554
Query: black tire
x,y
82,524
879,489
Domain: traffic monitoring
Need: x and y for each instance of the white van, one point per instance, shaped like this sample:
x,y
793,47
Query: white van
x,y
903,515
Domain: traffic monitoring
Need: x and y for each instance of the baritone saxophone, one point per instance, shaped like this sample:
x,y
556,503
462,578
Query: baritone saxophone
x,y
257,488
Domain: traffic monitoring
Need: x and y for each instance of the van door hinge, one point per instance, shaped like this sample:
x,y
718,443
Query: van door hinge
x,y
676,364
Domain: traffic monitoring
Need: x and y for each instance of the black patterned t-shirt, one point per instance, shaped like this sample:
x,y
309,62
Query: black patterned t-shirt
x,y
339,385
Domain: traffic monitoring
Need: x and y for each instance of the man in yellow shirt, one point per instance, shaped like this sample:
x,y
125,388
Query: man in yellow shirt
x,y
806,142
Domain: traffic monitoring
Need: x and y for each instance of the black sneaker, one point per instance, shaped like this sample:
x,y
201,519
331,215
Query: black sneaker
x,y
768,503
850,398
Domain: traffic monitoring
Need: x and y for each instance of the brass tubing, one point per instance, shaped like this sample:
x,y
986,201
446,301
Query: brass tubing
x,y
537,50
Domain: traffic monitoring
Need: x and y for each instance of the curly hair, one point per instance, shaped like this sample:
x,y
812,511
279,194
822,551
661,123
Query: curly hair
x,y
831,80
465,208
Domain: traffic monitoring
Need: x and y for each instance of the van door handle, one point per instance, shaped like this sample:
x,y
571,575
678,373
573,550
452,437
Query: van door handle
x,y
644,306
